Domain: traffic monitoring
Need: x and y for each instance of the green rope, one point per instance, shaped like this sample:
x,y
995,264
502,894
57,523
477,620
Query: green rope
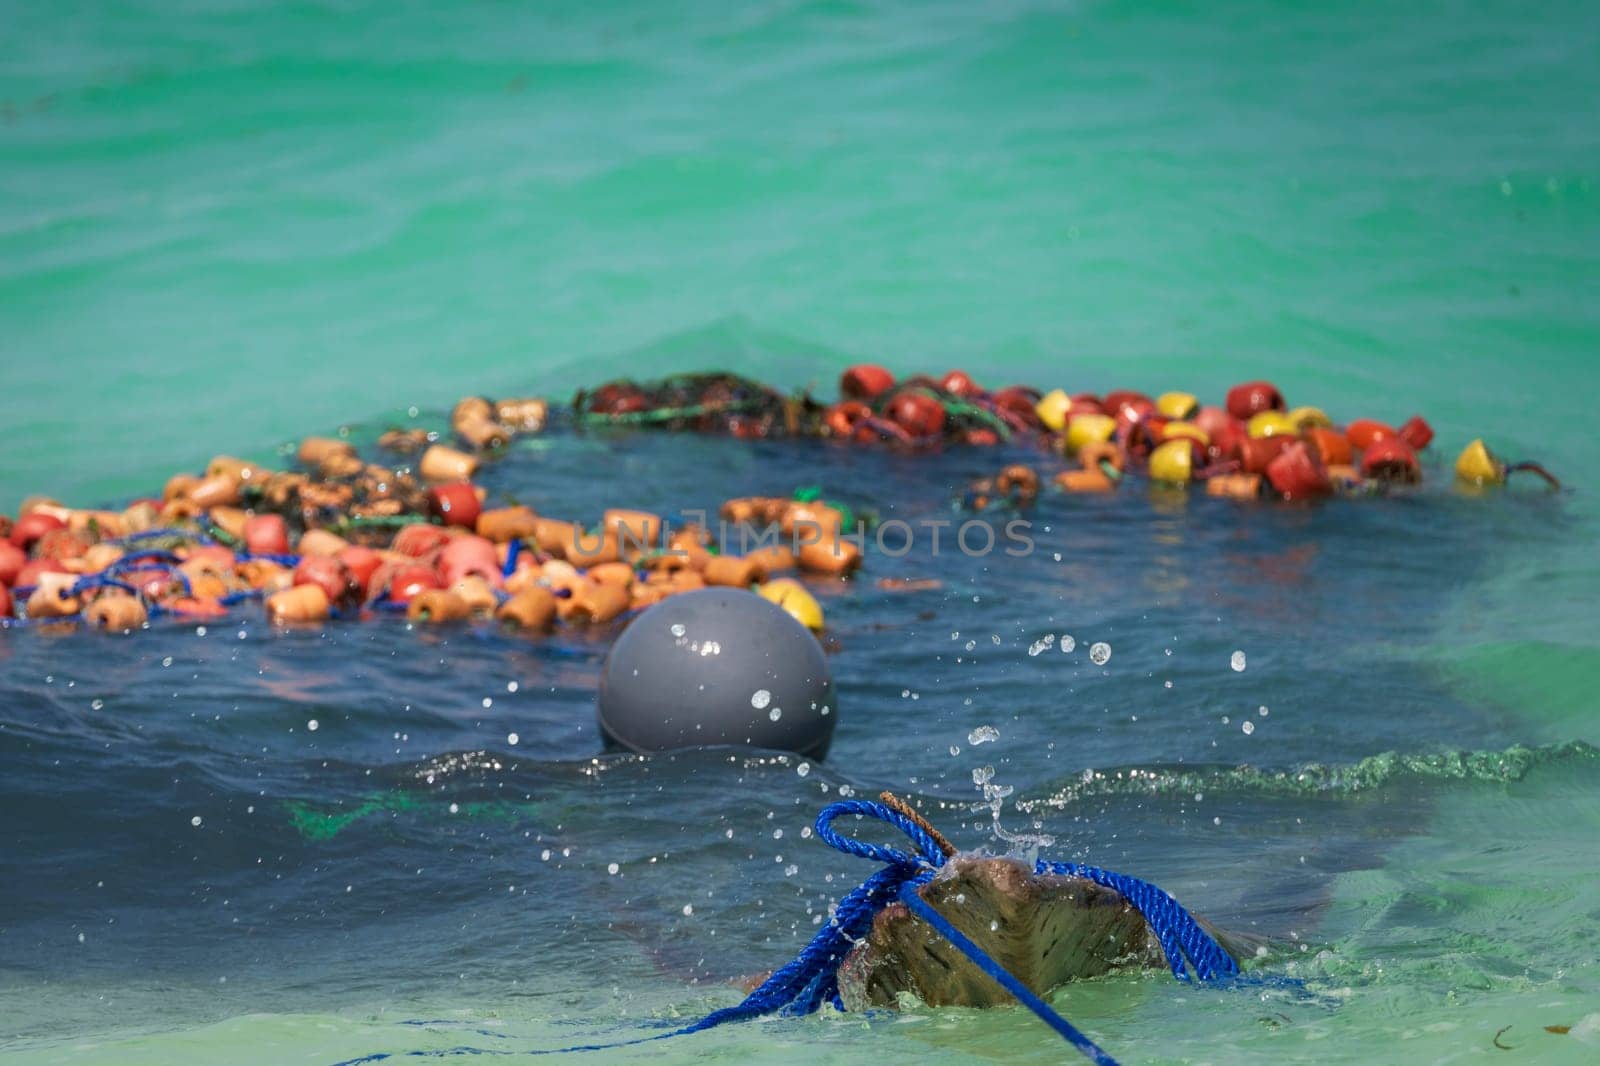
x,y
218,534
381,521
957,408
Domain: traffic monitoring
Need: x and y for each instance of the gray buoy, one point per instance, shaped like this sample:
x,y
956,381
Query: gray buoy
x,y
717,666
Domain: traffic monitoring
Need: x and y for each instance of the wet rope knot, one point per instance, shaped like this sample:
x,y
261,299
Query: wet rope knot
x,y
811,978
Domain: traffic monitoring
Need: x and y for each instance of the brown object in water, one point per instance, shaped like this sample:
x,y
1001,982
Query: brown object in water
x,y
314,452
49,599
301,603
437,606
731,571
219,491
470,409
1044,929
554,537
619,574
404,440
592,549
321,542
533,609
526,415
1234,486
833,555
116,611
483,434
772,560
1019,482
594,603
503,524
440,463
637,530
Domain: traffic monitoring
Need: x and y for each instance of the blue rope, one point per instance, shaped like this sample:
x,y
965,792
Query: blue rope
x,y
812,977
280,558
513,550
90,582
1002,977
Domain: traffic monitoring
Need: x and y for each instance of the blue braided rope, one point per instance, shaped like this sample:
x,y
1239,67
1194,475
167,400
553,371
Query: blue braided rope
x,y
812,977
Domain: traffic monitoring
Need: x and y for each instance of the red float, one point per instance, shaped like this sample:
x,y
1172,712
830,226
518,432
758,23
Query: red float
x,y
1363,433
1298,474
1253,397
918,414
456,504
960,383
329,574
1391,459
33,525
865,382
266,534
1416,432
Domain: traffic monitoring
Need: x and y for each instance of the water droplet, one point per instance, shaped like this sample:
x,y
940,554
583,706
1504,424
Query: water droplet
x,y
803,769
512,739
760,698
488,702
195,821
512,686
1068,642
679,629
1100,653
167,661
1262,711
313,725
1043,644
775,714
545,855
612,869
455,808
1248,726
984,734
1237,662
95,705
955,749
688,910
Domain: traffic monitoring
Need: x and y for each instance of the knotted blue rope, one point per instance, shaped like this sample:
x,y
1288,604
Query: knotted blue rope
x,y
812,977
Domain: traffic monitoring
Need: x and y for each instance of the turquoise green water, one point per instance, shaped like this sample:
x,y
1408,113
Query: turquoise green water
x,y
225,225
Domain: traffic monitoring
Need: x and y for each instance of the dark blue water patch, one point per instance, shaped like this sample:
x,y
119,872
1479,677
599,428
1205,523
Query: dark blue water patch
x,y
405,840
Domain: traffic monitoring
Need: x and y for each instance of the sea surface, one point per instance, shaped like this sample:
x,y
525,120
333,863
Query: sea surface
x,y
226,225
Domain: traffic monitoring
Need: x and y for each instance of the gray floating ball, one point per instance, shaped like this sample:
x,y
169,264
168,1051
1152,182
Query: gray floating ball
x,y
717,666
